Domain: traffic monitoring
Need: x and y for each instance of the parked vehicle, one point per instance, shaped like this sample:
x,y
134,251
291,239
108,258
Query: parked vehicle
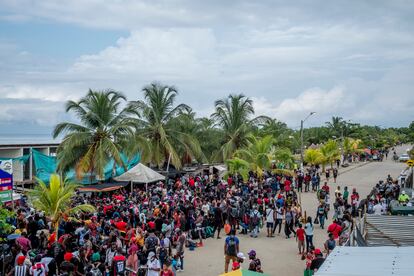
x,y
404,157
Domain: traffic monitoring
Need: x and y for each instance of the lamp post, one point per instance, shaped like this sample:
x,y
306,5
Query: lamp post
x,y
301,138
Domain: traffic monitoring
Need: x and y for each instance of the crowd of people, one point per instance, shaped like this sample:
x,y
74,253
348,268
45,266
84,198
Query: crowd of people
x,y
142,231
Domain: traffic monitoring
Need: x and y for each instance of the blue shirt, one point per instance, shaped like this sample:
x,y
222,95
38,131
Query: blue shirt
x,y
235,239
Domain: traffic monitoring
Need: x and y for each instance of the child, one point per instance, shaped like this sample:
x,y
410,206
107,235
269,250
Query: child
x,y
300,237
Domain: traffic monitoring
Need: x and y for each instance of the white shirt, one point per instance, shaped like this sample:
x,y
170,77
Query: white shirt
x,y
308,229
279,213
153,264
377,209
269,216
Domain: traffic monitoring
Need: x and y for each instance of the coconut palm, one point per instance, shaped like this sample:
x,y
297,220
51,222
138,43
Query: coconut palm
x,y
313,156
284,157
55,200
330,152
155,122
101,134
257,153
238,166
233,114
336,125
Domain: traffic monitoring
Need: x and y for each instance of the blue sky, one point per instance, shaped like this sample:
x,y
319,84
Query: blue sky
x,y
339,58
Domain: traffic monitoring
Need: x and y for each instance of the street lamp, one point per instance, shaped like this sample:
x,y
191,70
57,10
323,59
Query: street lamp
x,y
301,138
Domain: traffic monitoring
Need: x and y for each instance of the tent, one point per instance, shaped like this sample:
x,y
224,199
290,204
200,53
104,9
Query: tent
x,y
140,174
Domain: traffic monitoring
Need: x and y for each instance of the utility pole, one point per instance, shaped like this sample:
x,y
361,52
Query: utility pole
x,y
301,138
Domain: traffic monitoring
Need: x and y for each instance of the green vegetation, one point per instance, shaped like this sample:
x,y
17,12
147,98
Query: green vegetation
x,y
162,130
55,200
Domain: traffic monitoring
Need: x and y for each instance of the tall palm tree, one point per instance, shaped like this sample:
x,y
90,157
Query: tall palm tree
x,y
233,114
155,123
55,200
101,134
336,125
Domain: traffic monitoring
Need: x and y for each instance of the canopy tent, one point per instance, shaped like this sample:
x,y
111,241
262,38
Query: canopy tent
x,y
140,174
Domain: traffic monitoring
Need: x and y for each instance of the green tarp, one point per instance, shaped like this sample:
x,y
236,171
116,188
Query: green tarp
x,y
46,165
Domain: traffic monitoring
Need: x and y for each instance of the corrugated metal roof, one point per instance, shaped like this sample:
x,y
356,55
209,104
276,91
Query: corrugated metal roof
x,y
389,230
368,261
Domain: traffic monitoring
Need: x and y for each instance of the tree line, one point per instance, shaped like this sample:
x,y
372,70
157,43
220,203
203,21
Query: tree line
x,y
164,131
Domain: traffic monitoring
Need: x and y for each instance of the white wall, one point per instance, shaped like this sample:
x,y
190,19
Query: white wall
x,y
17,166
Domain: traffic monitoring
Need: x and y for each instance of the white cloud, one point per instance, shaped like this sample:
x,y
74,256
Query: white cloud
x,y
291,110
48,93
170,53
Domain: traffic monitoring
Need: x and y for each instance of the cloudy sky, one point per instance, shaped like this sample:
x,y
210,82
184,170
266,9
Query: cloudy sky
x,y
353,59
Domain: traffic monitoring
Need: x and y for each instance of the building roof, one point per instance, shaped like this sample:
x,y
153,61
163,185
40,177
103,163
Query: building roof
x,y
368,261
389,230
27,140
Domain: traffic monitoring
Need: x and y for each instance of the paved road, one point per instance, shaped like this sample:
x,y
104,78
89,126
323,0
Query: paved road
x,y
279,255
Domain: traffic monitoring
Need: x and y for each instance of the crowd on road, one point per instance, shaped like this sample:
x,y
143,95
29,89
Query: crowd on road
x,y
142,231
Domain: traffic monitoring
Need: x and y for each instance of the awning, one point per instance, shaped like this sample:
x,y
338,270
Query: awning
x,y
105,187
140,174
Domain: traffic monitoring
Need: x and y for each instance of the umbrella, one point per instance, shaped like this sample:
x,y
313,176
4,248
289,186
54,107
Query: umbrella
x,y
244,272
13,236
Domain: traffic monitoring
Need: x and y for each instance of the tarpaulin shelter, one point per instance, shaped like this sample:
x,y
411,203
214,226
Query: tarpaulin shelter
x,y
105,187
46,165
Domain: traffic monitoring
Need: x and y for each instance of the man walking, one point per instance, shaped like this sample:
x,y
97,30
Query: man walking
x,y
231,249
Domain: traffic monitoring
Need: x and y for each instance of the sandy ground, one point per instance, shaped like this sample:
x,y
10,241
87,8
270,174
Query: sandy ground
x,y
279,255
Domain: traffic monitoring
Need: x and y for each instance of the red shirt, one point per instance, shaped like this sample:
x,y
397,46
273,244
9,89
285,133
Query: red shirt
x,y
230,181
151,225
300,232
167,273
191,182
326,188
121,226
335,229
287,185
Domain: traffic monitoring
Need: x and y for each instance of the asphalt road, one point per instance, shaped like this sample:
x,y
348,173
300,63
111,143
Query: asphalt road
x,y
279,255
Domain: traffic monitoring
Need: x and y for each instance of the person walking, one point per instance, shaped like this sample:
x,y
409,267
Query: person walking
x,y
279,218
231,249
321,213
255,218
300,237
270,220
289,218
309,233
335,174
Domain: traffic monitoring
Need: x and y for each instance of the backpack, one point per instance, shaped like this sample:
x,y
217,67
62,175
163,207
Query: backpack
x,y
152,243
255,219
119,267
95,272
231,247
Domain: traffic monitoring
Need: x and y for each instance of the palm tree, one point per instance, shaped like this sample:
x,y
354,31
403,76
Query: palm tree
x,y
257,153
234,114
155,122
238,166
314,156
336,125
284,157
55,200
330,152
102,132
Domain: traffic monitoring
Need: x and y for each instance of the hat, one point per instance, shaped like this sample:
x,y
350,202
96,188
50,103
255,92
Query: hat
x,y
20,260
68,256
317,251
251,253
403,192
240,255
236,265
96,257
151,254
